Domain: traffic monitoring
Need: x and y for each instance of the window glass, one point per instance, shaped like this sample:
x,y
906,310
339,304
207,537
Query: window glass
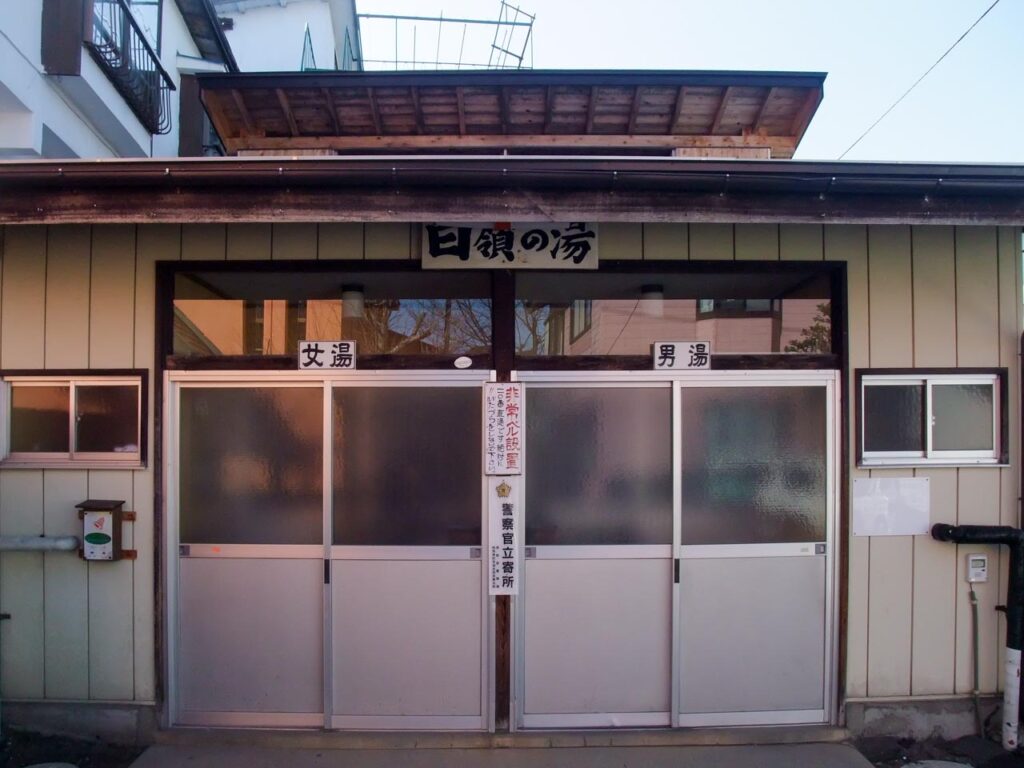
x,y
251,465
407,466
107,419
962,415
894,417
268,313
598,465
39,419
753,465
932,417
623,314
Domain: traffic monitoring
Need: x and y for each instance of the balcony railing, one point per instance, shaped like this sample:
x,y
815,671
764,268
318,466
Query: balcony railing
x,y
119,46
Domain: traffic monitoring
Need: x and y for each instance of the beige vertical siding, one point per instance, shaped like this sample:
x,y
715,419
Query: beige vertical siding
x,y
340,241
935,563
294,241
802,242
757,242
79,297
666,241
850,244
712,241
248,241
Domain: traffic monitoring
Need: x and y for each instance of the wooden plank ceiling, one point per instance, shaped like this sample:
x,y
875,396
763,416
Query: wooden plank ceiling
x,y
342,113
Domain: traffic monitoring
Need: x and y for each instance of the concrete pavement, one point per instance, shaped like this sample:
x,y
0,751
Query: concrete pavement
x,y
752,756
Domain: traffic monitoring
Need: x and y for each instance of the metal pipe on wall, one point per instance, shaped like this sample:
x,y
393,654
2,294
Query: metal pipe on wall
x,y
1013,538
39,544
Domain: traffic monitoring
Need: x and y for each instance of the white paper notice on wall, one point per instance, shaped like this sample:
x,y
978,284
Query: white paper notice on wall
x,y
503,429
503,535
891,506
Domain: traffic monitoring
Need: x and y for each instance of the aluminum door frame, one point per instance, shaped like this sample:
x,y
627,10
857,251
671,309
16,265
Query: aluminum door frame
x,y
578,380
485,721
173,382
830,379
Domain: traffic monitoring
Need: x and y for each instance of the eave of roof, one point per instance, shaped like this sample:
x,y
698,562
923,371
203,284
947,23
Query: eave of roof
x,y
501,188
583,77
494,110
204,26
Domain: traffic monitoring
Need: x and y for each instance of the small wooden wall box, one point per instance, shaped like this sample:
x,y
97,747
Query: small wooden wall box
x,y
101,529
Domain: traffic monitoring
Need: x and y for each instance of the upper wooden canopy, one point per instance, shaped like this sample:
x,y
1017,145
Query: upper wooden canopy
x,y
753,114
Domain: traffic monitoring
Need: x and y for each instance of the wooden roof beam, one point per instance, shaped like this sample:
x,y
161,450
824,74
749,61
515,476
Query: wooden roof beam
x,y
764,108
460,101
243,110
414,94
803,115
634,110
781,146
720,112
591,110
371,97
503,108
549,104
677,111
282,99
332,110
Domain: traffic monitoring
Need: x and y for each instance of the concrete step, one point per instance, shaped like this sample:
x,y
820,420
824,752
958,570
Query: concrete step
x,y
364,740
760,756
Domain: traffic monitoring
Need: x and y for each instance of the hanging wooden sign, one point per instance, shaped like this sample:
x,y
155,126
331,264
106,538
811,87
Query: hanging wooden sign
x,y
567,245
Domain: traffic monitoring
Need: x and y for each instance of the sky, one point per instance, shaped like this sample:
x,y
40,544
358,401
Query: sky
x,y
969,109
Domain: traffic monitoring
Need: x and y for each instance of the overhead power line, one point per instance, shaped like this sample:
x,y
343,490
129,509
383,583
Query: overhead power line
x,y
922,77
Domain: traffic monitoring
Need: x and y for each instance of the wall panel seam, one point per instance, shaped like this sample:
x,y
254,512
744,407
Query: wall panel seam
x,y
46,280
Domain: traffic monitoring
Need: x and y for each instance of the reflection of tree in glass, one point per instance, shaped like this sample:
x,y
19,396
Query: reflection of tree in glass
x,y
533,329
817,339
425,326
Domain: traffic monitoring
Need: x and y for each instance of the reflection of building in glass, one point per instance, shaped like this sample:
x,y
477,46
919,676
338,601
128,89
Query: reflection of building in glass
x,y
629,326
275,326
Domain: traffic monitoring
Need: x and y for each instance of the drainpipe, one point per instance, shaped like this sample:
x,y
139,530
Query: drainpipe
x,y
1013,538
36,544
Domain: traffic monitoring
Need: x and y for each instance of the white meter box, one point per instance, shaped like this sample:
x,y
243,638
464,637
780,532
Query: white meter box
x,y
102,521
98,537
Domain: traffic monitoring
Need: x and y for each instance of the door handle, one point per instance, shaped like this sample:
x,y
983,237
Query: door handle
x,y
475,553
531,552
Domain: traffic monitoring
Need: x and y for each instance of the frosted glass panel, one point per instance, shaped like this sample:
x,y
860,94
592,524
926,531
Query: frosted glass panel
x,y
963,417
252,465
407,466
598,466
893,417
753,465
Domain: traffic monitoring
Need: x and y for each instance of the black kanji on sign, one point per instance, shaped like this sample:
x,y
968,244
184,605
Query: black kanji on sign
x,y
574,244
341,354
699,355
666,356
312,354
448,241
492,243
